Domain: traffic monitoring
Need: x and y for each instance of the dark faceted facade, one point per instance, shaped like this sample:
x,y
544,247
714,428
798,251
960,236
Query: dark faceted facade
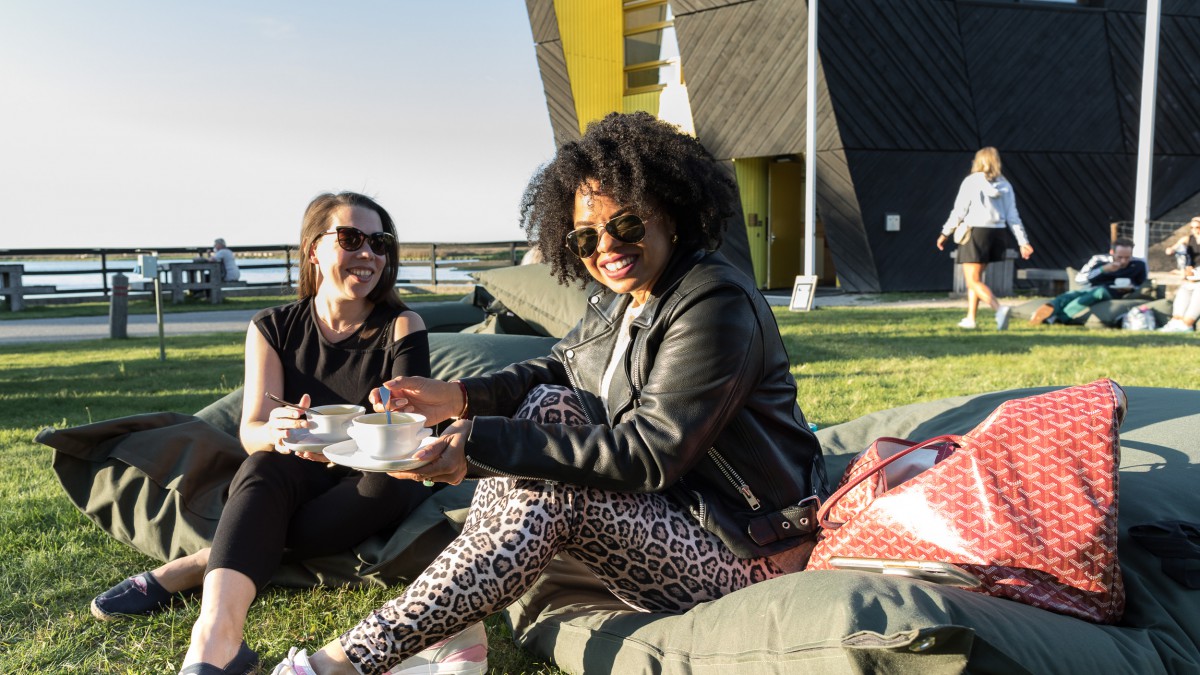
x,y
910,89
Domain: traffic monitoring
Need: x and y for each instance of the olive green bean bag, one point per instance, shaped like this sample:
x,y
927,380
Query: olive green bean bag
x,y
851,622
158,481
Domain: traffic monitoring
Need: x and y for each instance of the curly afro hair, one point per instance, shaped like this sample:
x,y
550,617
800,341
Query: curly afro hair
x,y
641,163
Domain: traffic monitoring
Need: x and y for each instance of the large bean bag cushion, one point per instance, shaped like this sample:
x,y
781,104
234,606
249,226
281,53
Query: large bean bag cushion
x,y
158,481
531,293
851,622
1106,314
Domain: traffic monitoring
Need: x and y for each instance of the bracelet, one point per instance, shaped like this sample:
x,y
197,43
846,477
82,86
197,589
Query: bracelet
x,y
463,388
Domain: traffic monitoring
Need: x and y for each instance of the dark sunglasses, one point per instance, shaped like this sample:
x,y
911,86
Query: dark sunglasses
x,y
351,239
626,228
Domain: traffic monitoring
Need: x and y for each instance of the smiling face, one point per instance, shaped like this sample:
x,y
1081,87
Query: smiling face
x,y
348,274
624,268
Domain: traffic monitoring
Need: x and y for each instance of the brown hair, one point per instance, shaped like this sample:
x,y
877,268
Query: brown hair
x,y
987,162
1122,241
316,222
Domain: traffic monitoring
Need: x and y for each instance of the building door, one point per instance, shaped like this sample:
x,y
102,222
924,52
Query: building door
x,y
785,222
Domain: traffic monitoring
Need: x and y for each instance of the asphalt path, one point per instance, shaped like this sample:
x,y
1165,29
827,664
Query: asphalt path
x,y
24,331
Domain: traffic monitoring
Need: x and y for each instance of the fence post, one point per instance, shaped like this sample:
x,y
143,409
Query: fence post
x,y
104,272
433,265
118,308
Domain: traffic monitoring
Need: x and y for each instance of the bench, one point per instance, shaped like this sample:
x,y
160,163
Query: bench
x,y
998,275
197,276
12,287
1048,281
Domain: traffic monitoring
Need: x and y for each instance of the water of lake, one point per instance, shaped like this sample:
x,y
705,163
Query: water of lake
x,y
49,272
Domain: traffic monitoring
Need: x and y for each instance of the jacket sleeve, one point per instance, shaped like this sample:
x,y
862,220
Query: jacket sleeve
x,y
1012,216
706,364
962,204
1092,270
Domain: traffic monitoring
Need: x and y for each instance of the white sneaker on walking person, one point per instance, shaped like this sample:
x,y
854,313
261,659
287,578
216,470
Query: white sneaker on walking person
x,y
1002,317
967,324
1175,326
462,654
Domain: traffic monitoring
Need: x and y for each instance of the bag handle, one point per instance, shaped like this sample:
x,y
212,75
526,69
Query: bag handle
x,y
841,492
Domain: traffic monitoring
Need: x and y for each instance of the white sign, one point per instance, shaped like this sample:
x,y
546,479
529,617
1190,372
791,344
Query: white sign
x,y
803,292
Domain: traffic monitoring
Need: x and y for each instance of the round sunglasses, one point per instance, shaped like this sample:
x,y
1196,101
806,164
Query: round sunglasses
x,y
351,239
626,228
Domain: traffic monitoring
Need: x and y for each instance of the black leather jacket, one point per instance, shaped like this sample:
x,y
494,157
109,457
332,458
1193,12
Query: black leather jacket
x,y
704,409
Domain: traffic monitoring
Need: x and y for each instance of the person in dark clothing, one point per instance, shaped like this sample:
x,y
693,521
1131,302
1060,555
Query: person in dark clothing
x,y
659,443
347,331
1104,277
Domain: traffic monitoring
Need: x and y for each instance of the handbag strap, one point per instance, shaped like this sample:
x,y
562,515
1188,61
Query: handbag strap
x,y
853,482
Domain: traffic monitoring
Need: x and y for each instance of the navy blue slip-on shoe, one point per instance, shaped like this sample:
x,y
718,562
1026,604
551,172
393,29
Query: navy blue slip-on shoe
x,y
136,596
244,662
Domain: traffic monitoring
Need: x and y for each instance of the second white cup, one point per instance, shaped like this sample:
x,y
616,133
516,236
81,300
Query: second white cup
x,y
331,424
381,440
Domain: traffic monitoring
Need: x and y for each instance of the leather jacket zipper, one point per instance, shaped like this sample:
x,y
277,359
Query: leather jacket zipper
x,y
734,479
575,388
699,500
498,472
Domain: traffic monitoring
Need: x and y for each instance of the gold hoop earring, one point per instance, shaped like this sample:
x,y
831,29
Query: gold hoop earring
x,y
674,238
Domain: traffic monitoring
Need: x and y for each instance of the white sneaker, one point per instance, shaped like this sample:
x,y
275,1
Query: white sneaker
x,y
1175,326
1002,317
966,323
462,654
296,663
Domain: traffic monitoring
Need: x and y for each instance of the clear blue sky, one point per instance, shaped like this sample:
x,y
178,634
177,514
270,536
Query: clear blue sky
x,y
163,123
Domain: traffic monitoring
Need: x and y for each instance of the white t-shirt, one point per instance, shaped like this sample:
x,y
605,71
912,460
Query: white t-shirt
x,y
619,349
229,268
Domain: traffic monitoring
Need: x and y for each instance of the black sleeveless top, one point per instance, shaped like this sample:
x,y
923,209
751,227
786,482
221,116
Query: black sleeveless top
x,y
346,371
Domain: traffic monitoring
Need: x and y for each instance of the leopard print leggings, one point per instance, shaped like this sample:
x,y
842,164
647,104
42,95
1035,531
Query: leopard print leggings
x,y
650,552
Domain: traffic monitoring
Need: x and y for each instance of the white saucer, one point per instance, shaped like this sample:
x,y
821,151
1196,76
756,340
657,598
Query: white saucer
x,y
305,442
347,453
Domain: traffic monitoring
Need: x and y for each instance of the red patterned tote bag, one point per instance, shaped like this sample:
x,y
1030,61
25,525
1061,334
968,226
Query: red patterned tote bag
x,y
1027,503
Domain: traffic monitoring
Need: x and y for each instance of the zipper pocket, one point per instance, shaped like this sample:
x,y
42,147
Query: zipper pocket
x,y
735,480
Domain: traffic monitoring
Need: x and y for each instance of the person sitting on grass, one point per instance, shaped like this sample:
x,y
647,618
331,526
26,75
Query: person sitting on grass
x,y
348,330
1186,307
1104,277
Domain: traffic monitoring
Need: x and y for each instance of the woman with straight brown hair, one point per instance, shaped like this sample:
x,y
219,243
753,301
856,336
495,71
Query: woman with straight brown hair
x,y
986,205
347,331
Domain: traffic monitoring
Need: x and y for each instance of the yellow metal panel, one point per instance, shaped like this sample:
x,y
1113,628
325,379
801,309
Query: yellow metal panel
x,y
647,102
751,173
592,33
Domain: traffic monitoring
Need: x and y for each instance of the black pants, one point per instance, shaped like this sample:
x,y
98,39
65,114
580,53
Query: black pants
x,y
282,508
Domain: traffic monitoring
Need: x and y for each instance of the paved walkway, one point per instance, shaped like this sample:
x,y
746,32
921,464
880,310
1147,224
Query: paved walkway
x,y
21,331
24,331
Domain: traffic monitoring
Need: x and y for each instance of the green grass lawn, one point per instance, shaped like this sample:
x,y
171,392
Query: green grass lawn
x,y
847,362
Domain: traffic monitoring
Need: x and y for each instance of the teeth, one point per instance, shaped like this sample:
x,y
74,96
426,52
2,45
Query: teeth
x,y
618,265
363,273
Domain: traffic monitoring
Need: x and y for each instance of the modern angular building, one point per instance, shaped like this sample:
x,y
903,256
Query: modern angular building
x,y
909,90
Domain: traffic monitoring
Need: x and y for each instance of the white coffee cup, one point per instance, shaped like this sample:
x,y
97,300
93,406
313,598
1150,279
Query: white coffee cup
x,y
381,440
331,424
1122,282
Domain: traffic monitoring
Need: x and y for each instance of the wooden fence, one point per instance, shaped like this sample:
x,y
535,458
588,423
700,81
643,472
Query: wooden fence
x,y
474,255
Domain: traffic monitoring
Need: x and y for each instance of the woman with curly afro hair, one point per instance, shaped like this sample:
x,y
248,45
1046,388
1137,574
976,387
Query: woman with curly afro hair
x,y
659,443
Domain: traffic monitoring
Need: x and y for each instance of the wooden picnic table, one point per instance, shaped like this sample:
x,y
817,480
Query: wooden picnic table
x,y
187,276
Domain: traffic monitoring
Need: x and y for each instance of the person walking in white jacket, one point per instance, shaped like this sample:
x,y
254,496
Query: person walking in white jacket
x,y
986,205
